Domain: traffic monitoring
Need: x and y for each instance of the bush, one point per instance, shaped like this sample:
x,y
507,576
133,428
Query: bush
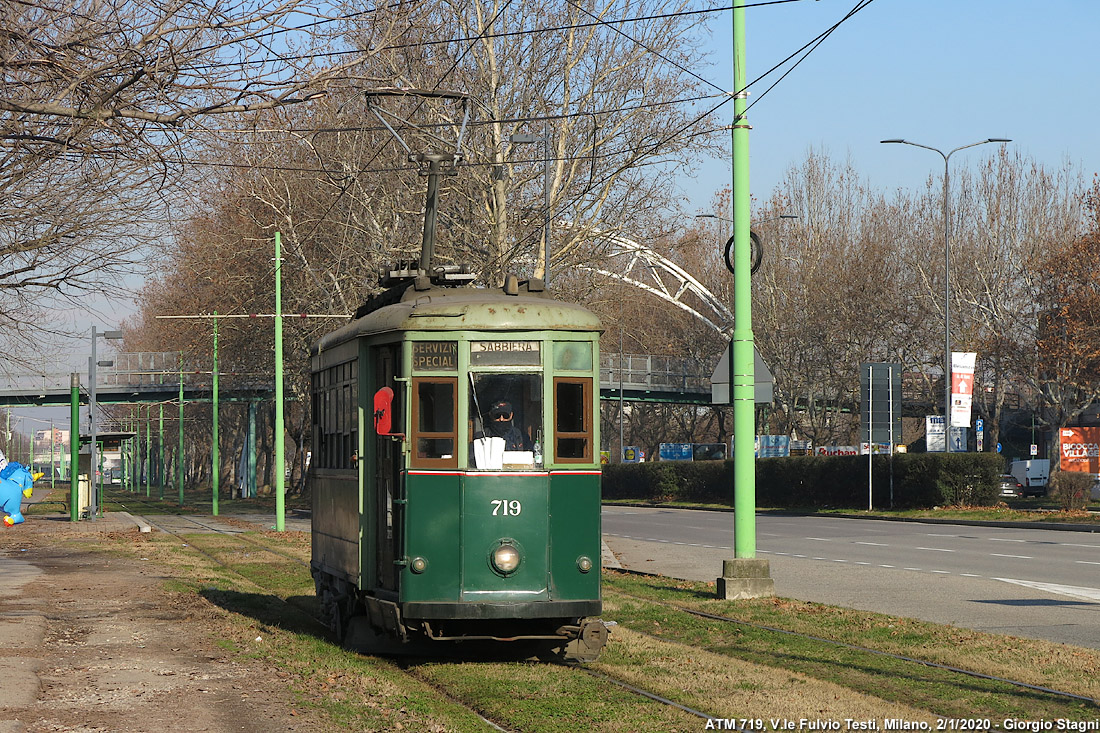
x,y
920,480
1071,489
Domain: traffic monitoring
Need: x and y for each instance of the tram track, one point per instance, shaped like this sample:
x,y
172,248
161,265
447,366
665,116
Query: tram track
x,y
239,536
846,645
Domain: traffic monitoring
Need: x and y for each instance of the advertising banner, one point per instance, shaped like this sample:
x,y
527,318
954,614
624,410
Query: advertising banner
x,y
1080,450
962,386
837,450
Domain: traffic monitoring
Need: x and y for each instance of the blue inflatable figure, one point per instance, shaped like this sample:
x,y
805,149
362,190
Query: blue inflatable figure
x,y
16,482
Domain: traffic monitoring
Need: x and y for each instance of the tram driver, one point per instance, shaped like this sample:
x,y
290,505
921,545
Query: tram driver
x,y
500,425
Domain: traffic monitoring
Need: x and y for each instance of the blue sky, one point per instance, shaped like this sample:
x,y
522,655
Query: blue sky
x,y
944,73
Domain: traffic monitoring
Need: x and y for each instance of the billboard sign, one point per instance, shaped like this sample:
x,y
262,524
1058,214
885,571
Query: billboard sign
x,y
708,451
837,450
773,446
934,434
880,402
1080,450
675,452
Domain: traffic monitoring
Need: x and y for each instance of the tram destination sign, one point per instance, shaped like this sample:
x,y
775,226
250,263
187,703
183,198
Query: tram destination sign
x,y
430,356
505,353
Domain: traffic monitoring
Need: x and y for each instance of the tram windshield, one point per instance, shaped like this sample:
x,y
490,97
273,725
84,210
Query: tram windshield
x,y
505,415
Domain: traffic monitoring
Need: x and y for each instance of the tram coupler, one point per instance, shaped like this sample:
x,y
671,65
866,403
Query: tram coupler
x,y
591,637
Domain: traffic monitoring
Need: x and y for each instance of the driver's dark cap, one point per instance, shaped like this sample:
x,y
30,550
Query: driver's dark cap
x,y
501,407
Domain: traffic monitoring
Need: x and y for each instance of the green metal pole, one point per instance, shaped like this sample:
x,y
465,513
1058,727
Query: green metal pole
x,y
127,456
98,471
161,466
215,456
252,408
74,446
741,359
179,462
148,449
280,499
53,459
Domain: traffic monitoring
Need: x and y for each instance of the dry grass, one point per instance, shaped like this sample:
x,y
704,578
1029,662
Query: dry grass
x,y
728,687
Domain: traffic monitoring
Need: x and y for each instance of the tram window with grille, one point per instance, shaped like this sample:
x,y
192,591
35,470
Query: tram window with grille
x,y
335,396
573,420
435,429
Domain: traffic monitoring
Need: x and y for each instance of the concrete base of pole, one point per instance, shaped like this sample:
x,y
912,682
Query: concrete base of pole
x,y
744,578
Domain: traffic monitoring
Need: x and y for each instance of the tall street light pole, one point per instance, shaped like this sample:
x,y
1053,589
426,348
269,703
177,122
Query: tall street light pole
x,y
947,273
93,485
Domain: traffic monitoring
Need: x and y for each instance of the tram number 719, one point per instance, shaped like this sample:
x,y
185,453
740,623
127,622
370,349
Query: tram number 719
x,y
505,507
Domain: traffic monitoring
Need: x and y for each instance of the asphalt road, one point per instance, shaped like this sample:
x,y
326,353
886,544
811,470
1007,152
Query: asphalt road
x,y
1041,584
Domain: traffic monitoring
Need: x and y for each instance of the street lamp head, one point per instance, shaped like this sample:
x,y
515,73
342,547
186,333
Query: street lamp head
x,y
894,140
999,140
111,334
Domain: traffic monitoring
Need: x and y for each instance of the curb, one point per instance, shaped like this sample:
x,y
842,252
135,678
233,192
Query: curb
x,y
1062,526
141,524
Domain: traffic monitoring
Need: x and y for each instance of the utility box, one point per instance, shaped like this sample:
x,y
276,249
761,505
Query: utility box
x,y
83,485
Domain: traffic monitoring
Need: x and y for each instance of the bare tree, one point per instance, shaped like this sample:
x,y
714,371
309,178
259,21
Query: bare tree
x,y
1009,217
606,96
98,102
829,296
1068,343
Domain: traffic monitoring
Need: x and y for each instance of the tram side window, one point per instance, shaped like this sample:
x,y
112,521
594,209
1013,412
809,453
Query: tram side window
x,y
335,399
573,420
436,427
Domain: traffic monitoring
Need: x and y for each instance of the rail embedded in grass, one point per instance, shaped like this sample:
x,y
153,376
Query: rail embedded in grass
x,y
959,673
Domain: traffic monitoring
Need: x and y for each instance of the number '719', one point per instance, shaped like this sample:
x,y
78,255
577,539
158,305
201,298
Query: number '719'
x,y
505,507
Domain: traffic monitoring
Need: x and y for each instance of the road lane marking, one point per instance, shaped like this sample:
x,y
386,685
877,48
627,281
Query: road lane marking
x,y
1073,591
1086,562
942,572
1001,539
1015,557
873,544
934,549
818,539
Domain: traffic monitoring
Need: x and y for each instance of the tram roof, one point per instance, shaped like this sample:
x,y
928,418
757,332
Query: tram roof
x,y
466,309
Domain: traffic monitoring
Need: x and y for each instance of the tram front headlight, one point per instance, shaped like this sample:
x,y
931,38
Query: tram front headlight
x,y
584,563
505,558
418,565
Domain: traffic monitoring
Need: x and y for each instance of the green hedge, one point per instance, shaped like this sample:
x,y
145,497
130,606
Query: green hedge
x,y
920,480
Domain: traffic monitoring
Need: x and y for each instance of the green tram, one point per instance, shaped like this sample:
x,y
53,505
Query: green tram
x,y
456,471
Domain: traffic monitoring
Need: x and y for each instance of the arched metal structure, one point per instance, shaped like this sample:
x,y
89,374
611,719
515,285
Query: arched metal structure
x,y
647,270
